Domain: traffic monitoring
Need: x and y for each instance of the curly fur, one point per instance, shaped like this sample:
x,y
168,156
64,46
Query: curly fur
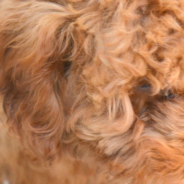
x,y
101,80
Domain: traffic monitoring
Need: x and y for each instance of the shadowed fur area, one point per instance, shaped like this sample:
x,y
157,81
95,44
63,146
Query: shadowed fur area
x,y
95,82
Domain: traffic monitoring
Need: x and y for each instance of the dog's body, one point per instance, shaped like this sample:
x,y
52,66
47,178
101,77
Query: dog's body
x,y
100,81
18,167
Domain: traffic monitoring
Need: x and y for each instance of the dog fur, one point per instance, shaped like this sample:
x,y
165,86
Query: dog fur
x,y
98,80
18,167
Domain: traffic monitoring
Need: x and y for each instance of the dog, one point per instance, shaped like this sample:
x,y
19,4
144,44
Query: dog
x,y
98,81
17,167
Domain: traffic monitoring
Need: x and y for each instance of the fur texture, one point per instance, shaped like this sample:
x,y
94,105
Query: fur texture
x,y
18,167
100,80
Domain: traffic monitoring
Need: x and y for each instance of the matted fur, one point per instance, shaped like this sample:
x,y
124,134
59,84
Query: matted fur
x,y
119,107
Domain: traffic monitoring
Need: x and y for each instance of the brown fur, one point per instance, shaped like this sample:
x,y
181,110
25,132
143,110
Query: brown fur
x,y
119,107
17,167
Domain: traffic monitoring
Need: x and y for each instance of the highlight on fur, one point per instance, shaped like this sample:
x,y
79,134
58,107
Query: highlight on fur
x,y
100,80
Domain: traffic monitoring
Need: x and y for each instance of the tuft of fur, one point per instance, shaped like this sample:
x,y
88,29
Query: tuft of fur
x,y
100,80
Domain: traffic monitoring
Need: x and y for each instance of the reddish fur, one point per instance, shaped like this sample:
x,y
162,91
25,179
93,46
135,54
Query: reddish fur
x,y
97,111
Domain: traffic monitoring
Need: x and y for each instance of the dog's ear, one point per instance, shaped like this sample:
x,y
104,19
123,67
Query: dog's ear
x,y
36,39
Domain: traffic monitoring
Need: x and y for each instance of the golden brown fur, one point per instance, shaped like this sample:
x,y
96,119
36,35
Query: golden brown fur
x,y
119,107
16,167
